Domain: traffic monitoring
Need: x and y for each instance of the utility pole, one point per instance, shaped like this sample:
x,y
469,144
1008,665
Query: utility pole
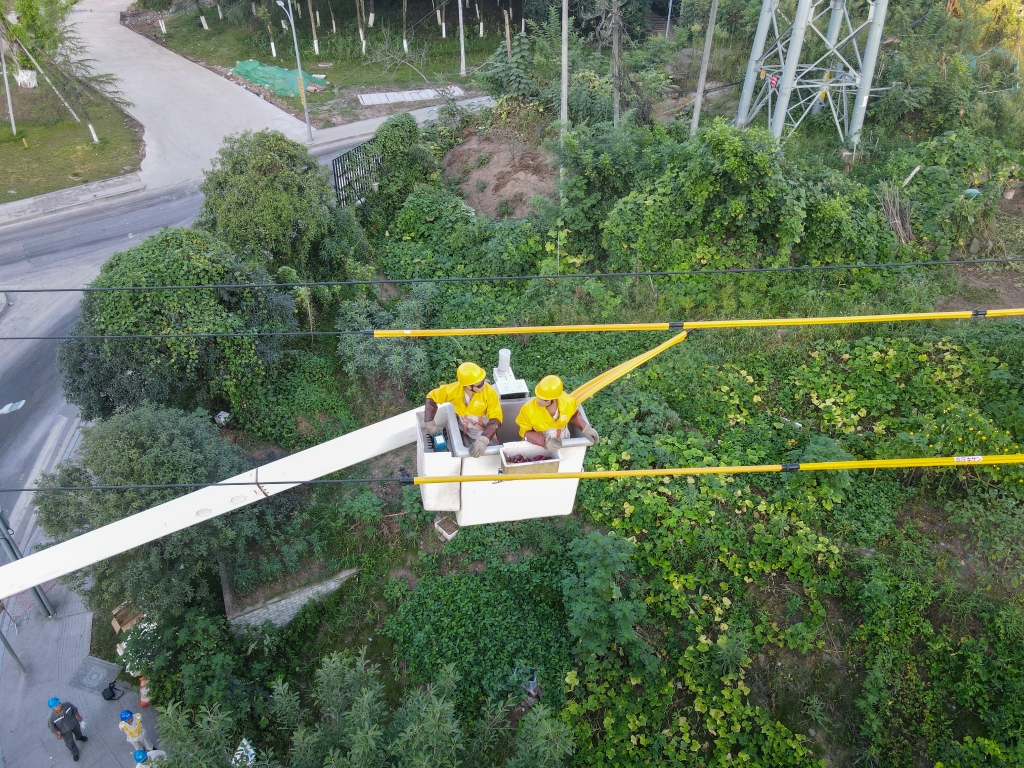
x,y
7,85
704,68
616,33
462,43
298,63
10,546
564,113
668,21
14,656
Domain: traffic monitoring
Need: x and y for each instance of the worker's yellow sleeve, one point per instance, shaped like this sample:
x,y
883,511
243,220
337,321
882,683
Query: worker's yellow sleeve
x,y
536,417
484,403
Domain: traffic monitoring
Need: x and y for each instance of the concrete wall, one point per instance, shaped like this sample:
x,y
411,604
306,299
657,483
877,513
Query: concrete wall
x,y
281,610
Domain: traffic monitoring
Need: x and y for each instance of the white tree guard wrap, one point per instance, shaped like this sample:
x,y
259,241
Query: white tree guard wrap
x,y
206,503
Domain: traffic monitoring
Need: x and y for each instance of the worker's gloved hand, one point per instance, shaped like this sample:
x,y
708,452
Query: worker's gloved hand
x,y
552,444
431,427
591,434
476,450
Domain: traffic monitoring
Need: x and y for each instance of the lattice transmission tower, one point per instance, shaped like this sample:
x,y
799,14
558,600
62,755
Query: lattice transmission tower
x,y
835,71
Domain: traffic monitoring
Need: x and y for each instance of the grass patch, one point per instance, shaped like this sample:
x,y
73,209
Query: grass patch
x,y
228,42
60,153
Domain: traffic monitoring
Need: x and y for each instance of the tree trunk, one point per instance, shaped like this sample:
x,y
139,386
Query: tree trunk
x,y
312,24
615,63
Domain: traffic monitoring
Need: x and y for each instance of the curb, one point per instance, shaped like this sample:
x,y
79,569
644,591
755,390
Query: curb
x,y
72,197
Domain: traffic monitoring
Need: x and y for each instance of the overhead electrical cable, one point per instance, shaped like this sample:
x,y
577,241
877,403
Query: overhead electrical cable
x,y
690,325
518,278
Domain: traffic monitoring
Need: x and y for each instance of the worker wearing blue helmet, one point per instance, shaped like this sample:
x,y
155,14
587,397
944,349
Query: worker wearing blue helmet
x,y
145,757
65,723
131,726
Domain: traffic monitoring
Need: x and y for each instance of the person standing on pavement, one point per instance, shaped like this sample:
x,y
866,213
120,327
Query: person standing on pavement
x,y
65,722
476,403
131,724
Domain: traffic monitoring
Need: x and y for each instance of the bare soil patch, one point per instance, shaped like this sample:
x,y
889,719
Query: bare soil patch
x,y
988,287
498,179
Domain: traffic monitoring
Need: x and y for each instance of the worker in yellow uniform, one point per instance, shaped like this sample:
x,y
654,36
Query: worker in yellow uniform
x,y
545,420
476,403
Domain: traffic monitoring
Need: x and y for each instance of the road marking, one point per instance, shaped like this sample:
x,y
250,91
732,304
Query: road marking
x,y
37,469
11,407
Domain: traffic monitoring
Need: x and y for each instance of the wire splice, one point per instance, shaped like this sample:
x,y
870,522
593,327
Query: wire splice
x,y
791,467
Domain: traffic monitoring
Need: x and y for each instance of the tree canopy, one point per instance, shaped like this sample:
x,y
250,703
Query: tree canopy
x,y
268,198
148,445
103,375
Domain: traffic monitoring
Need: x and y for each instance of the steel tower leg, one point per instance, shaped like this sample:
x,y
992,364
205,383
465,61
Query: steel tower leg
x,y
754,65
796,43
867,73
835,23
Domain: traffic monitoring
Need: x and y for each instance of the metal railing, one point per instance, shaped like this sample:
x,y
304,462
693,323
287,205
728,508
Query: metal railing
x,y
356,173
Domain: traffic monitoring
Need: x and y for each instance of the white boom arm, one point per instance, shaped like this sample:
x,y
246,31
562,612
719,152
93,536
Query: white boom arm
x,y
193,508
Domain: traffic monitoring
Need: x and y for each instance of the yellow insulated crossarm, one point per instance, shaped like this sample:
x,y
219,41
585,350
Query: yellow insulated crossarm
x,y
967,314
817,466
604,327
612,375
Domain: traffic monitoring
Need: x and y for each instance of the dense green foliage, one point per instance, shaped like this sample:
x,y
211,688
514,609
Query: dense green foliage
x,y
104,375
348,722
782,619
269,199
508,617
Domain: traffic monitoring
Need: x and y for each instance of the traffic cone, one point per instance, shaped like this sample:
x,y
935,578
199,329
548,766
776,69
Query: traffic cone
x,y
143,693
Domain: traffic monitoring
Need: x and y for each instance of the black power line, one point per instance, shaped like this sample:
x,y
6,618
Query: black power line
x,y
163,486
517,278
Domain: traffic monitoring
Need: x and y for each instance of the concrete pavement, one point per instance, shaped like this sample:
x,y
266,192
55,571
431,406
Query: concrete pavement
x,y
52,650
186,110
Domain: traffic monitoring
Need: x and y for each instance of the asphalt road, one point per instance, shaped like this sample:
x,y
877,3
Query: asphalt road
x,y
64,250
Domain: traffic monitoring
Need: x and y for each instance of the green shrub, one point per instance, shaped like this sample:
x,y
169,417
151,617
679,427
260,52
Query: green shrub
x,y
301,405
405,161
725,203
268,198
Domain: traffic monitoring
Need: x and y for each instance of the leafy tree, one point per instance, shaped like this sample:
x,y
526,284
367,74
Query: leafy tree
x,y
349,723
147,446
345,250
103,375
725,203
268,198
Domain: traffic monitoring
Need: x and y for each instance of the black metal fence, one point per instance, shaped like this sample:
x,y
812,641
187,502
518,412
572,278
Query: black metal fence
x,y
356,172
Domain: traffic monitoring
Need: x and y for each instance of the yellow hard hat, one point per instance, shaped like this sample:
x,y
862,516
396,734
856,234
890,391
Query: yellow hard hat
x,y
470,374
549,388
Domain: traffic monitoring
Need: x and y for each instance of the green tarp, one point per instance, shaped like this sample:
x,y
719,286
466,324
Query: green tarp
x,y
283,82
